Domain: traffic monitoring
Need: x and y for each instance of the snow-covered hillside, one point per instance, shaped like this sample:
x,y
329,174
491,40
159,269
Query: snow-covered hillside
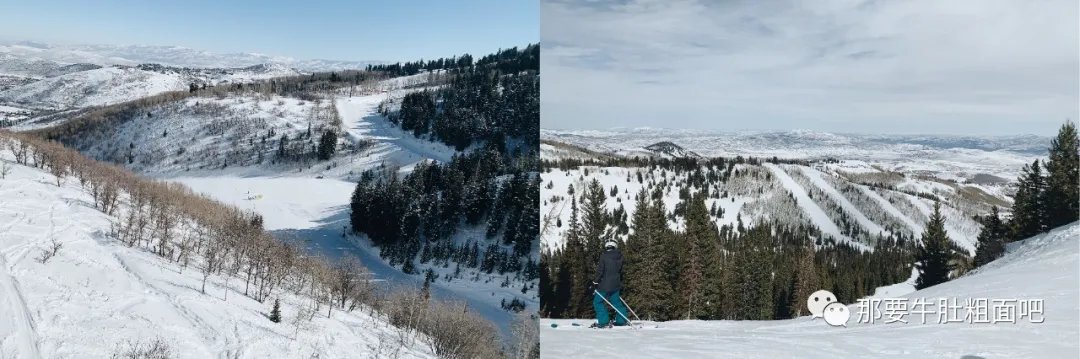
x,y
167,55
826,195
964,156
92,88
242,135
1030,271
228,148
112,85
97,295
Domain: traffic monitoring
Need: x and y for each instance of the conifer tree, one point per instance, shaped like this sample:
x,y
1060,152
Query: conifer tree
x,y
646,259
1028,205
426,289
547,287
578,277
327,145
698,254
806,281
275,312
991,239
594,218
932,258
1062,198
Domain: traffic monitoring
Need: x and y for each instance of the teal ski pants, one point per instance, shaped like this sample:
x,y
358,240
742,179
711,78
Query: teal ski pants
x,y
602,315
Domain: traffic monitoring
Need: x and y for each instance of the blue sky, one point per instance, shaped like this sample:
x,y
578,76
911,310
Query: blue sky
x,y
981,67
398,30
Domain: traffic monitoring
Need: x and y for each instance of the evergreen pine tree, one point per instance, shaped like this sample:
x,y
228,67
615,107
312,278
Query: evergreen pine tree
x,y
546,285
806,281
1028,205
594,218
275,312
578,278
1062,198
932,259
991,239
327,145
426,290
700,241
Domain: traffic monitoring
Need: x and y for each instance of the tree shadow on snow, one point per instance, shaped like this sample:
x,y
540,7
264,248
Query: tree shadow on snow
x,y
327,240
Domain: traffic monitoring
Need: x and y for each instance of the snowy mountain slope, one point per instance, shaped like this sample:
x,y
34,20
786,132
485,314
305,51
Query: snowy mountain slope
x,y
1029,271
820,195
241,136
806,204
92,88
167,55
97,294
111,85
216,146
816,178
555,150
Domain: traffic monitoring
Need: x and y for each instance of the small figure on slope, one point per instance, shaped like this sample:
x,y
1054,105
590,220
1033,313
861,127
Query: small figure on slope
x,y
606,287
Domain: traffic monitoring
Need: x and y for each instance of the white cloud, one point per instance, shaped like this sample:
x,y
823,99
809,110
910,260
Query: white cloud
x,y
902,66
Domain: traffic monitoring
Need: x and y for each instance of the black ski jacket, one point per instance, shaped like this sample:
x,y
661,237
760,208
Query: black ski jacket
x,y
609,271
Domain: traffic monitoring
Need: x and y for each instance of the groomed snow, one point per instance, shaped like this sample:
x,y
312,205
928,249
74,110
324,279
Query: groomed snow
x,y
1043,267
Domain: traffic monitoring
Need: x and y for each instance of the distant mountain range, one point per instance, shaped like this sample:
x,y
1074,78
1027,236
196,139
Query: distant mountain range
x,y
791,144
41,54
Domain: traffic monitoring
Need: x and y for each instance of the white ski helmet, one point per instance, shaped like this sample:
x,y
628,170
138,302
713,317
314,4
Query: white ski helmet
x,y
609,244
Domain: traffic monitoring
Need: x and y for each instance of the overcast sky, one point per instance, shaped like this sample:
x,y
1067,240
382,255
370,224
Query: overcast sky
x,y
905,66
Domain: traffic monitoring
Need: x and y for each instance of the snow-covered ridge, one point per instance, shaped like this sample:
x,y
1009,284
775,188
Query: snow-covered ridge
x,y
96,87
167,55
671,150
100,86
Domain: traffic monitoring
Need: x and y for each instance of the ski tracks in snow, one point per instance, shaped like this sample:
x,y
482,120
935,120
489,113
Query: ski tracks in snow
x,y
13,306
26,340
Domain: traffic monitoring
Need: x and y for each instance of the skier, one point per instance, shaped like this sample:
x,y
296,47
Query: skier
x,y
607,286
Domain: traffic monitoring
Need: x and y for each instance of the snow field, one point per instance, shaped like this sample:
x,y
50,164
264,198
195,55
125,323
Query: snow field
x,y
1029,271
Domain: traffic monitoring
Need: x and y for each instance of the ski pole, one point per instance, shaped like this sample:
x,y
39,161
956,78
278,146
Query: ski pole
x,y
628,321
630,309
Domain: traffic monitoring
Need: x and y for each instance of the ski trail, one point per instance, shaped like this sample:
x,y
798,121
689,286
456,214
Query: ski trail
x,y
915,227
817,215
360,120
816,178
11,296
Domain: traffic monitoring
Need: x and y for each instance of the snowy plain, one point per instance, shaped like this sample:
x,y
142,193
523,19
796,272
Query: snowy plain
x,y
1042,268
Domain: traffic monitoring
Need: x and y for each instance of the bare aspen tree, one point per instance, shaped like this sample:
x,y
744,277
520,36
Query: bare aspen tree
x,y
526,335
20,151
165,220
212,257
5,169
186,244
